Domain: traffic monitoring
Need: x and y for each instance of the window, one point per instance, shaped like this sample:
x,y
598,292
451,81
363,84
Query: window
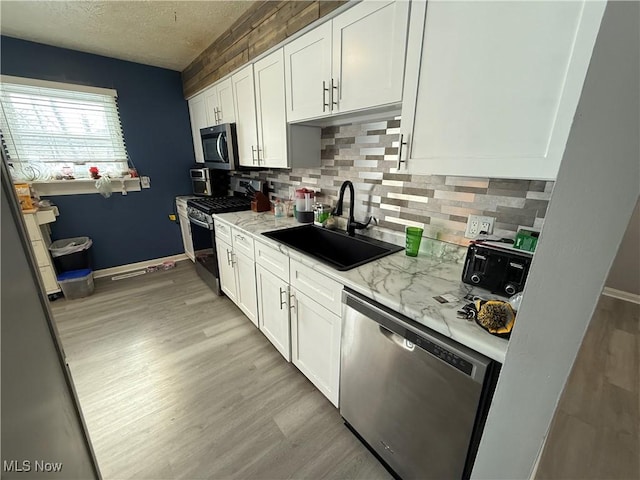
x,y
54,130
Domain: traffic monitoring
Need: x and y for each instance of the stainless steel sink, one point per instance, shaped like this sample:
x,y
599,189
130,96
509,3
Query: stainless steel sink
x,y
336,249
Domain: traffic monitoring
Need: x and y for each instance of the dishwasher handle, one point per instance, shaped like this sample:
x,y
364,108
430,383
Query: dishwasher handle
x,y
463,359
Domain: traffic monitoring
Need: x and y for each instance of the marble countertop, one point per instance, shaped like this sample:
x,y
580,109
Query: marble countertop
x,y
404,284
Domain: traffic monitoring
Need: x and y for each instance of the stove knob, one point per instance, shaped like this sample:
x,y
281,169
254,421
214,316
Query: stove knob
x,y
475,278
510,289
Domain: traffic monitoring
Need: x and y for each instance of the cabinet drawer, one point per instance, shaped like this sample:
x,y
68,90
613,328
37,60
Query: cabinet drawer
x,y
41,253
272,260
321,289
49,280
223,231
242,243
33,229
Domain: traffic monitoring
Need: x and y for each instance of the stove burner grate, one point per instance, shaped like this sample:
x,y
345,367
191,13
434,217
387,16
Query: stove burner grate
x,y
220,204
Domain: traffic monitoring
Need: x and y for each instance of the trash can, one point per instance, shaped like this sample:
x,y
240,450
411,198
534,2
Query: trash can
x,y
71,254
76,283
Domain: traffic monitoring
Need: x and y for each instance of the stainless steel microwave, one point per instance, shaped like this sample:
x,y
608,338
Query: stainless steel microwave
x,y
220,146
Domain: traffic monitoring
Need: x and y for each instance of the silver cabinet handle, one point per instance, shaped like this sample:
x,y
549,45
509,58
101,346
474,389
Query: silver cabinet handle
x,y
228,257
253,154
240,237
400,144
283,302
215,115
258,150
324,96
334,96
219,115
292,301
233,262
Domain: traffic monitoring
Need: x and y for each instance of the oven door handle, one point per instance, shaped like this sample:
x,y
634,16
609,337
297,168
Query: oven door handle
x,y
199,223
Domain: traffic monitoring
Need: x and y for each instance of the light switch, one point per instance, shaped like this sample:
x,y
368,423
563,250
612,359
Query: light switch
x,y
145,182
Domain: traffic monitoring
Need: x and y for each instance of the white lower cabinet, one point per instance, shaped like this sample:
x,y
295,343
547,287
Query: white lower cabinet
x,y
246,298
185,228
225,267
315,344
297,308
238,279
187,241
273,310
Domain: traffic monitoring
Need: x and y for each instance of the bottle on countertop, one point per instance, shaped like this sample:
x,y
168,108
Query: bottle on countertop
x,y
278,209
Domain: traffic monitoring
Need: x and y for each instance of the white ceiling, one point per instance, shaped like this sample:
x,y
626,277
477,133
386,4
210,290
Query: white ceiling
x,y
160,33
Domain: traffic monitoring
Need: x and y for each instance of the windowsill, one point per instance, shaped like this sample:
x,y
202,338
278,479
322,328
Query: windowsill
x,y
82,186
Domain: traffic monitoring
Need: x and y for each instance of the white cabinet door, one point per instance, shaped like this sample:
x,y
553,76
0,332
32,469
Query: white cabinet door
x,y
273,310
211,105
271,110
245,274
308,74
244,99
49,279
315,344
491,88
187,242
368,55
226,113
198,116
227,272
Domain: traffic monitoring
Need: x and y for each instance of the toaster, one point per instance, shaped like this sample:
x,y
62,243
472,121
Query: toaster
x,y
502,270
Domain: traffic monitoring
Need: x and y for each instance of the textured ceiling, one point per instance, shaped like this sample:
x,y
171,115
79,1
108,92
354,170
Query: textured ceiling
x,y
159,33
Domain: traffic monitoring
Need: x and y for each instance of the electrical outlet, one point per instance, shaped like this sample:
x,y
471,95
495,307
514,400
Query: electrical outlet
x,y
477,224
145,182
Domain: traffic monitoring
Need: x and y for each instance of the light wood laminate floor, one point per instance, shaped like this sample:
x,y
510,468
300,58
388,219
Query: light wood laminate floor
x,y
175,382
595,433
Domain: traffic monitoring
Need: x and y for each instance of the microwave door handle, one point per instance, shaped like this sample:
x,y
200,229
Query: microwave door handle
x,y
219,147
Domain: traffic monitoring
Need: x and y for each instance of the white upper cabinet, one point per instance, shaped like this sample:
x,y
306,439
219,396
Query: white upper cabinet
x,y
219,103
353,62
368,55
245,108
226,112
491,88
271,110
308,74
211,105
198,116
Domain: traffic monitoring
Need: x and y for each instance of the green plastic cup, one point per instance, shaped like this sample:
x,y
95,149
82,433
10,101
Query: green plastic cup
x,y
413,238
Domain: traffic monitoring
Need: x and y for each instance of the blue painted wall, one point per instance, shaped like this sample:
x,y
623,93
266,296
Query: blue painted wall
x,y
155,120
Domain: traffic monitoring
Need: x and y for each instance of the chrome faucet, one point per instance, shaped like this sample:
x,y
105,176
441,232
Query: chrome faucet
x,y
352,225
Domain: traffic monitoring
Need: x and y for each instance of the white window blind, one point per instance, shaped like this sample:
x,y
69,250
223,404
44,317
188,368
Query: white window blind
x,y
58,127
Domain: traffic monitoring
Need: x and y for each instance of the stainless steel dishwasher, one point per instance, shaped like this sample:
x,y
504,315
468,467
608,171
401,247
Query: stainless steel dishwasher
x,y
416,398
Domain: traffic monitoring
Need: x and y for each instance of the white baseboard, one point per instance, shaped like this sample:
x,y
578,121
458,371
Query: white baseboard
x,y
107,272
629,297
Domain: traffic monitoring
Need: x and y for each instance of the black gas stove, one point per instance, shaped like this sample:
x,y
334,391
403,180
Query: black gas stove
x,y
201,209
202,232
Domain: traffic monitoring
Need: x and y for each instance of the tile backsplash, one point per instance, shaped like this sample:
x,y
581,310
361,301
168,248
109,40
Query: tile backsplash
x,y
367,153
